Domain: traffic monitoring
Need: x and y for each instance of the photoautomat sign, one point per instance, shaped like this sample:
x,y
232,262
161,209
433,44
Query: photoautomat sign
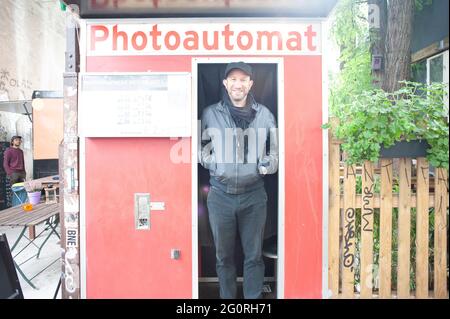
x,y
251,38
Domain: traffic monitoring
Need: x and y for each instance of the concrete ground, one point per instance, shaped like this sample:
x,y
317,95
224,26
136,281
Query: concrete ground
x,y
47,281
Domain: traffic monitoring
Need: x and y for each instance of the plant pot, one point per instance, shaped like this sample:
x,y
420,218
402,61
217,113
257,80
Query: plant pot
x,y
34,197
413,149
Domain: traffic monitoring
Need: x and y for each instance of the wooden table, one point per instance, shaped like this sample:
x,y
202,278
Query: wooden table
x,y
17,217
47,181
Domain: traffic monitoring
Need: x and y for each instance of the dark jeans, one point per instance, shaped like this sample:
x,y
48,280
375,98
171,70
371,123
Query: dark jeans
x,y
246,214
17,177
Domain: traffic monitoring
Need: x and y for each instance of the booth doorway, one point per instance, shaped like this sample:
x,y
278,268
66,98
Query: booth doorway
x,y
208,89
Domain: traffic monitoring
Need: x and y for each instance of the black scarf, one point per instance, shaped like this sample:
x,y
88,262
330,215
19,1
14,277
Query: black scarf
x,y
242,116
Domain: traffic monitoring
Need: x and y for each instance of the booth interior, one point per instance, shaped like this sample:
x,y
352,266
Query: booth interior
x,y
210,91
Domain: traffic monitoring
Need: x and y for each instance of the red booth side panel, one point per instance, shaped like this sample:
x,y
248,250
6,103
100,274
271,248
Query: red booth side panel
x,y
303,185
123,262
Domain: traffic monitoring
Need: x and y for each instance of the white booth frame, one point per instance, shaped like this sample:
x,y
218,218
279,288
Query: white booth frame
x,y
281,167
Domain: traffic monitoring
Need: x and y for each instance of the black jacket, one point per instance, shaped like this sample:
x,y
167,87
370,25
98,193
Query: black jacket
x,y
233,167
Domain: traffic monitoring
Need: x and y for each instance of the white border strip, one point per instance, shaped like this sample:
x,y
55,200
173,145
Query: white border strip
x,y
445,80
194,178
281,183
325,197
203,20
82,173
281,177
82,215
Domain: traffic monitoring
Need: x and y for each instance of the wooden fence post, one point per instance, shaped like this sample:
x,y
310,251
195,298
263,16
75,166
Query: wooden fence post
x,y
404,229
349,232
385,228
422,228
368,184
440,233
333,212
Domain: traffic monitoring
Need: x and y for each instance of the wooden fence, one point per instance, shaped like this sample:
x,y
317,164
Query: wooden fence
x,y
369,227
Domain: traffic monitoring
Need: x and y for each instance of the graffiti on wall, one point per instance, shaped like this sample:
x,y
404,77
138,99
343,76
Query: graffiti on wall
x,y
71,256
367,211
12,87
349,235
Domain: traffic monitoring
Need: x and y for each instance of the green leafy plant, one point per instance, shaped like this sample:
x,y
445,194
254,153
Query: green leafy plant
x,y
350,33
374,118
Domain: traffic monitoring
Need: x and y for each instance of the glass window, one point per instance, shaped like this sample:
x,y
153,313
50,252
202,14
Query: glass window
x,y
419,71
436,69
433,70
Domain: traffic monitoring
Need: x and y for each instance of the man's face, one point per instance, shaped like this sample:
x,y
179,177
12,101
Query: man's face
x,y
237,84
17,142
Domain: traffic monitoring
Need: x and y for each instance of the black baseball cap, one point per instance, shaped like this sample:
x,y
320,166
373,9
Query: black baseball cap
x,y
247,69
14,137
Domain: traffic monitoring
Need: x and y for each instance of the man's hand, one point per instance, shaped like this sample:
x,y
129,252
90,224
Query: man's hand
x,y
262,166
262,170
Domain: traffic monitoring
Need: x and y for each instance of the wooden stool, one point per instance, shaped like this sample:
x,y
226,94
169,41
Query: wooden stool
x,y
50,195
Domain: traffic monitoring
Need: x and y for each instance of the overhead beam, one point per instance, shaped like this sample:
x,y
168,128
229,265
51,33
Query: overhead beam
x,y
430,50
191,8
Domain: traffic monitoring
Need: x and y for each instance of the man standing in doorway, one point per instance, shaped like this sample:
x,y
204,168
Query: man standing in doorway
x,y
235,132
13,161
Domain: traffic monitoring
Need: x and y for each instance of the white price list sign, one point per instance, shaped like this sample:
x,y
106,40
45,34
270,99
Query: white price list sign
x,y
143,105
